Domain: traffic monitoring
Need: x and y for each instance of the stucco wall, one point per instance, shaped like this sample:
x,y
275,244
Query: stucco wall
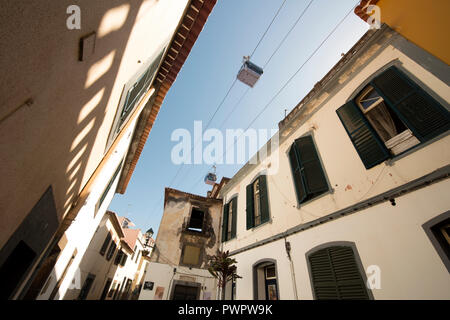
x,y
349,180
172,234
162,275
60,139
390,237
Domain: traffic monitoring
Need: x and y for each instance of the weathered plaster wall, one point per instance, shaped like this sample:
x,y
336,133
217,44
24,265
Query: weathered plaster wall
x,y
172,233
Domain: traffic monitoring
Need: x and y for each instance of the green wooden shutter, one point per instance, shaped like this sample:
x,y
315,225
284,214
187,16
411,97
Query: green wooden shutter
x,y
263,198
105,244
335,274
250,207
313,174
225,222
297,174
234,218
421,113
370,148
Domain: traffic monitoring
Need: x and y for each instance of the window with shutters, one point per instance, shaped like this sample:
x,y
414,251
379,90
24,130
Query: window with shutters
x,y
105,244
86,287
134,91
119,257
392,131
229,220
335,274
438,230
307,171
390,116
257,202
111,250
123,259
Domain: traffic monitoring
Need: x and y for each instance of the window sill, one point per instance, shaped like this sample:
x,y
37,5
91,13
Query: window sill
x,y
300,205
196,233
262,224
391,161
226,241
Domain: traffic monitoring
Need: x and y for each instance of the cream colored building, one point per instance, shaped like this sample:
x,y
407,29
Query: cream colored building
x,y
187,237
112,266
354,202
77,108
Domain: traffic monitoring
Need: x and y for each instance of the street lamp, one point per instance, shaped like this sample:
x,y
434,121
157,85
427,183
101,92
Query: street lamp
x,y
148,235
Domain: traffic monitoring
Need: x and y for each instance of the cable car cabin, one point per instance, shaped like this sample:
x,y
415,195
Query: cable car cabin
x,y
210,179
249,73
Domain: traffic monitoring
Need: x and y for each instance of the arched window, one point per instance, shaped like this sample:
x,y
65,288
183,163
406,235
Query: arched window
x,y
336,273
265,280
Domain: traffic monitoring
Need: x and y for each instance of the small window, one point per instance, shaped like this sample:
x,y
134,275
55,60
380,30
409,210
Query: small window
x,y
105,244
438,230
196,221
270,272
134,252
123,259
137,256
86,287
229,220
119,257
191,255
257,202
111,250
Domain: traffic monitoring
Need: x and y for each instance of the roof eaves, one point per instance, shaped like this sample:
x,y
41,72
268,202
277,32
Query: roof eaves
x,y
185,36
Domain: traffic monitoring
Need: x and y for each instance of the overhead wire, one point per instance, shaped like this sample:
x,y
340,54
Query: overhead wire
x,y
282,88
267,62
293,75
228,92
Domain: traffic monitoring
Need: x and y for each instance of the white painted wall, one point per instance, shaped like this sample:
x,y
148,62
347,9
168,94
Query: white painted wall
x,y
387,236
81,231
163,276
391,237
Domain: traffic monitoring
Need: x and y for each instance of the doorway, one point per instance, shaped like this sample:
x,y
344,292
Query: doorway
x,y
182,292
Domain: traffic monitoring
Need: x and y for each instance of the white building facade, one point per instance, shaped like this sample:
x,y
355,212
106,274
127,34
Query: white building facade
x,y
358,206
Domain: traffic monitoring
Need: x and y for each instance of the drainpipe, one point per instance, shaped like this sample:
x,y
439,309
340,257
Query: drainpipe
x,y
288,251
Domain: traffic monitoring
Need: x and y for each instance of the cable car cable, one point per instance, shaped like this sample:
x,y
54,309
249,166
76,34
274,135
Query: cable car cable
x,y
268,27
290,79
295,73
288,33
298,70
231,87
270,58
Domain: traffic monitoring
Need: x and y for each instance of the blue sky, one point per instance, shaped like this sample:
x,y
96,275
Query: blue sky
x,y
232,31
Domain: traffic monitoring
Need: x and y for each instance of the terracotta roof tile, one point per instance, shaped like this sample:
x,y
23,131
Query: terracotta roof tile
x,y
360,10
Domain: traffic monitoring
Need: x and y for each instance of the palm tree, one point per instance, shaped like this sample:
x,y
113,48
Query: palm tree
x,y
222,267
